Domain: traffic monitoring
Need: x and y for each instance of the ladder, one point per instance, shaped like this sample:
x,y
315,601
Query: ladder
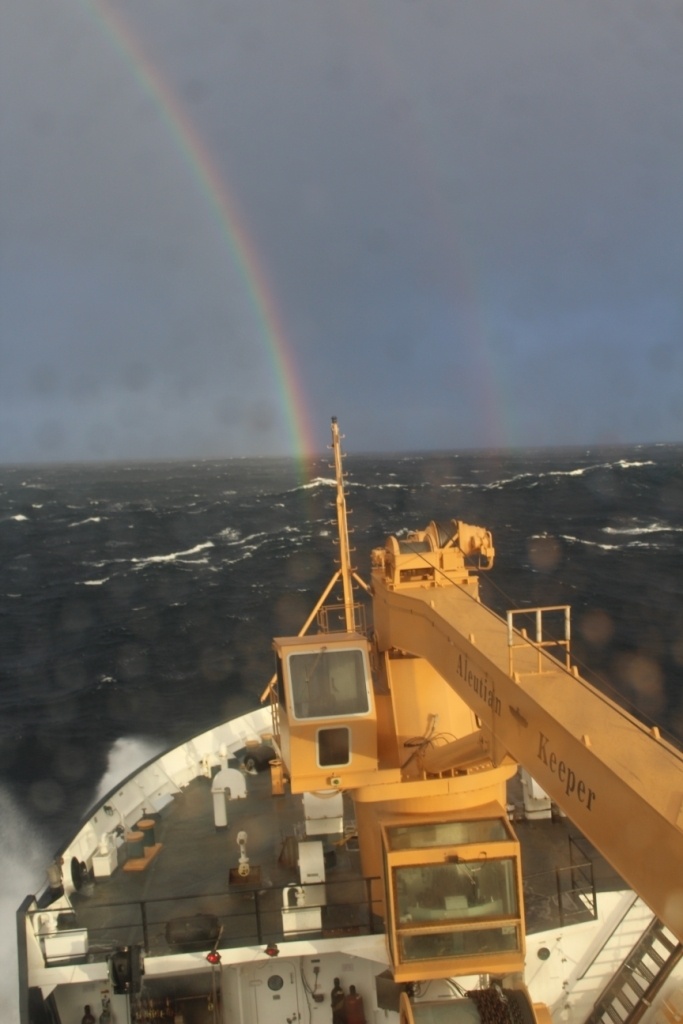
x,y
631,990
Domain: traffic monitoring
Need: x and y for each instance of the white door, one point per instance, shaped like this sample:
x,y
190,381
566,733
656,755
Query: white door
x,y
273,992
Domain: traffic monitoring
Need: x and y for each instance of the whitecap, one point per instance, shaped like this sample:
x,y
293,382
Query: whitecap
x,y
577,472
607,547
173,557
95,583
19,518
635,530
82,522
319,481
591,543
229,534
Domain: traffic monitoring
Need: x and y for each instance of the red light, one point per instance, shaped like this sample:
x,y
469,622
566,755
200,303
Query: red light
x,y
213,957
272,950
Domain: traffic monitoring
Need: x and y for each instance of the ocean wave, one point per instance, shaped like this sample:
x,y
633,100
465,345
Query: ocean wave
x,y
82,522
635,530
590,543
576,472
630,545
95,583
318,481
19,518
230,534
261,537
175,556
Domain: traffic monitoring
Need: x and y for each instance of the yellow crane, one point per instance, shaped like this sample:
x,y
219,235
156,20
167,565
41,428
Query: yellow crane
x,y
424,719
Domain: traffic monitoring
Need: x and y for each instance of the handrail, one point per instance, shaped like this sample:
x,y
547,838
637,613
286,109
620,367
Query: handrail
x,y
263,907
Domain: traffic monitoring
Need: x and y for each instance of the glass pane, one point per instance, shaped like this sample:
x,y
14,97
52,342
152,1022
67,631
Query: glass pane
x,y
455,892
453,944
451,1011
447,833
329,684
333,747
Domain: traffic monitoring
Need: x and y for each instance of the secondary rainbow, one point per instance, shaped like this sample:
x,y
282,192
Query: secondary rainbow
x,y
232,225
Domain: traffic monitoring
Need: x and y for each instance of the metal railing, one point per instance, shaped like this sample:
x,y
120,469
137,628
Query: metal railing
x,y
562,896
228,919
576,894
525,641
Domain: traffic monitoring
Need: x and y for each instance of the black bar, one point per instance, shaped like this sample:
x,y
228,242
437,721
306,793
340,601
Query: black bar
x,y
257,913
145,931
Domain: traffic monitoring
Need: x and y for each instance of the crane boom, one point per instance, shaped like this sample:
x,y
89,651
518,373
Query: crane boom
x,y
617,780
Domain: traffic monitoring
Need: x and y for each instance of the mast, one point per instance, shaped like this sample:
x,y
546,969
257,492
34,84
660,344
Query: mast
x,y
345,567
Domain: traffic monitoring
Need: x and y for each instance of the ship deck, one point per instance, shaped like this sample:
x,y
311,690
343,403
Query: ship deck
x,y
189,897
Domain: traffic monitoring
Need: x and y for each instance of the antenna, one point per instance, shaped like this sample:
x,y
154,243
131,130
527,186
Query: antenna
x,y
342,527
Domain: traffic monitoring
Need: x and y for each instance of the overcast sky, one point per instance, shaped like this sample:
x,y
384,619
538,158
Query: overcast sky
x,y
466,216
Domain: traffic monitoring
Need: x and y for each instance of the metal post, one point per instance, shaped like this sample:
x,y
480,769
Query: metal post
x,y
257,912
559,896
342,526
371,923
145,929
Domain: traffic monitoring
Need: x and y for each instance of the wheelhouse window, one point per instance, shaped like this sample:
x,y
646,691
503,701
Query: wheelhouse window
x,y
329,683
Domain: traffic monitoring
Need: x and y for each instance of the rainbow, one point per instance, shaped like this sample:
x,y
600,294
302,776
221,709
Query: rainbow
x,y
233,228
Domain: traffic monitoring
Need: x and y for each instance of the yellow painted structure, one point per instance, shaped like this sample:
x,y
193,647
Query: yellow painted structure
x,y
617,780
426,720
328,724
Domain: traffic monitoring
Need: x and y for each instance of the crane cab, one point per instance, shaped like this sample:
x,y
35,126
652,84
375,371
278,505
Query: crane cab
x,y
326,709
453,896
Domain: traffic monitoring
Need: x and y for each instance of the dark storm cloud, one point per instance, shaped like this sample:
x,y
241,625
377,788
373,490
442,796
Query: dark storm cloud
x,y
467,213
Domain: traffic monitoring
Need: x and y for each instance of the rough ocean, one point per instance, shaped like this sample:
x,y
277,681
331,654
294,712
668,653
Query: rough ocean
x,y
137,602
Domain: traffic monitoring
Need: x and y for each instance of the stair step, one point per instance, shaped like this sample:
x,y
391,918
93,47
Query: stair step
x,y
645,972
664,939
657,957
625,1000
653,955
630,979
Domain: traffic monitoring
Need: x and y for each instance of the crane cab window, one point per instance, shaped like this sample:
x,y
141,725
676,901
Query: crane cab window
x,y
329,683
448,833
453,893
334,747
464,890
